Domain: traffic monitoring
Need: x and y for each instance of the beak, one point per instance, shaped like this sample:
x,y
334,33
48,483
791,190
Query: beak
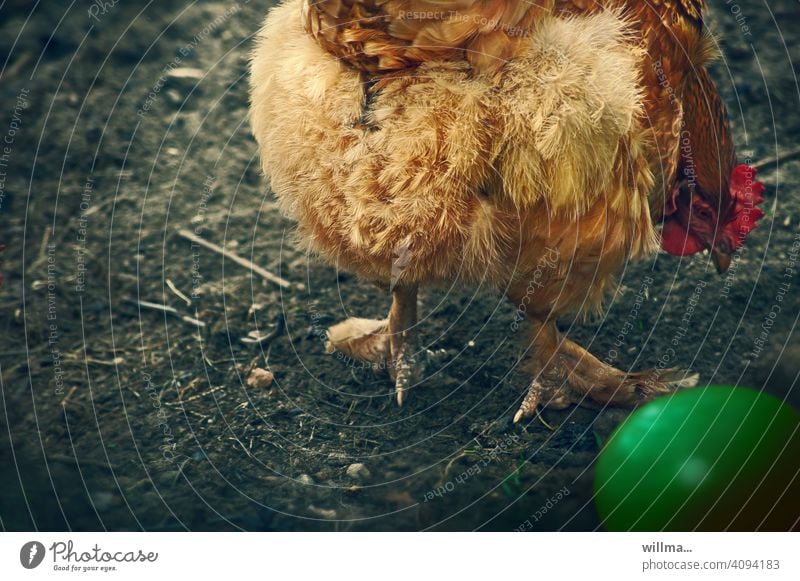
x,y
721,259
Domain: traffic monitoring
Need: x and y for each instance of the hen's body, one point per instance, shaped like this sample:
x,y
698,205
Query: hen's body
x,y
410,162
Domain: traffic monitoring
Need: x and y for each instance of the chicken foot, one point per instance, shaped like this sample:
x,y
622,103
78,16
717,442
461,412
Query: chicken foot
x,y
389,343
568,374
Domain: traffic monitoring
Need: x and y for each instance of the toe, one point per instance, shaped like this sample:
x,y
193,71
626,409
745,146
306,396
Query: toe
x,y
530,402
363,339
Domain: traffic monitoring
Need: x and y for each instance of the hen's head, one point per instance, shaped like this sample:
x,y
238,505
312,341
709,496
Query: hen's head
x,y
698,218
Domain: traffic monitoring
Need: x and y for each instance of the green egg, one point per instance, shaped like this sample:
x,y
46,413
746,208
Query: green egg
x,y
709,459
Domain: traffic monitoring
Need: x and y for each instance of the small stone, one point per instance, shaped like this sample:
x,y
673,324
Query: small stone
x,y
323,475
322,512
358,471
174,97
260,378
305,479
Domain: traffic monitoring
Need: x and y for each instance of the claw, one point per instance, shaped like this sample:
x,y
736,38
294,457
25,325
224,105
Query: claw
x,y
404,367
530,403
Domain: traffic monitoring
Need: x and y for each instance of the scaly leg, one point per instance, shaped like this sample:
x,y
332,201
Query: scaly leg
x,y
389,342
568,374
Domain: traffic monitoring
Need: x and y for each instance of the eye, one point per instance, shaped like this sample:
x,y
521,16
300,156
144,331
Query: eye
x,y
702,211
703,214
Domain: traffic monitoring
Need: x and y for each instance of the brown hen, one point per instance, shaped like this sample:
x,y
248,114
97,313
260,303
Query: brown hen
x,y
533,146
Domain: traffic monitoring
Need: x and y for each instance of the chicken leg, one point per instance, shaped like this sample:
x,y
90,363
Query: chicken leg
x,y
568,374
389,343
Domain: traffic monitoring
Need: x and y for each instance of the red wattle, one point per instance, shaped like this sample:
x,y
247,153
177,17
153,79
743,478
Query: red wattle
x,y
677,241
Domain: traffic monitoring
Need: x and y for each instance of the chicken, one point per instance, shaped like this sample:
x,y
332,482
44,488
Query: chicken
x,y
531,146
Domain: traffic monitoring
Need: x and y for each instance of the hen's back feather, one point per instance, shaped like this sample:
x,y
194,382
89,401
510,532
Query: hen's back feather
x,y
388,35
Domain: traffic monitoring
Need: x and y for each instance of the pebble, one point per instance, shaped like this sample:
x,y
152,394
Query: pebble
x,y
305,479
358,471
260,378
322,512
174,97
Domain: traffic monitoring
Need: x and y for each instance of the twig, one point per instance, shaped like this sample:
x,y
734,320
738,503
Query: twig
x,y
211,391
180,471
262,272
788,156
265,340
170,311
350,410
14,69
544,423
42,256
191,385
178,293
462,454
66,399
93,361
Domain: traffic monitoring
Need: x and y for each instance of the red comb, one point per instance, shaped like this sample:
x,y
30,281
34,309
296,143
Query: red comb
x,y
747,194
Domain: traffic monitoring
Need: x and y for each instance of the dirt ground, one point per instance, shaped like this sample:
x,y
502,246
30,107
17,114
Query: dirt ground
x,y
117,416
